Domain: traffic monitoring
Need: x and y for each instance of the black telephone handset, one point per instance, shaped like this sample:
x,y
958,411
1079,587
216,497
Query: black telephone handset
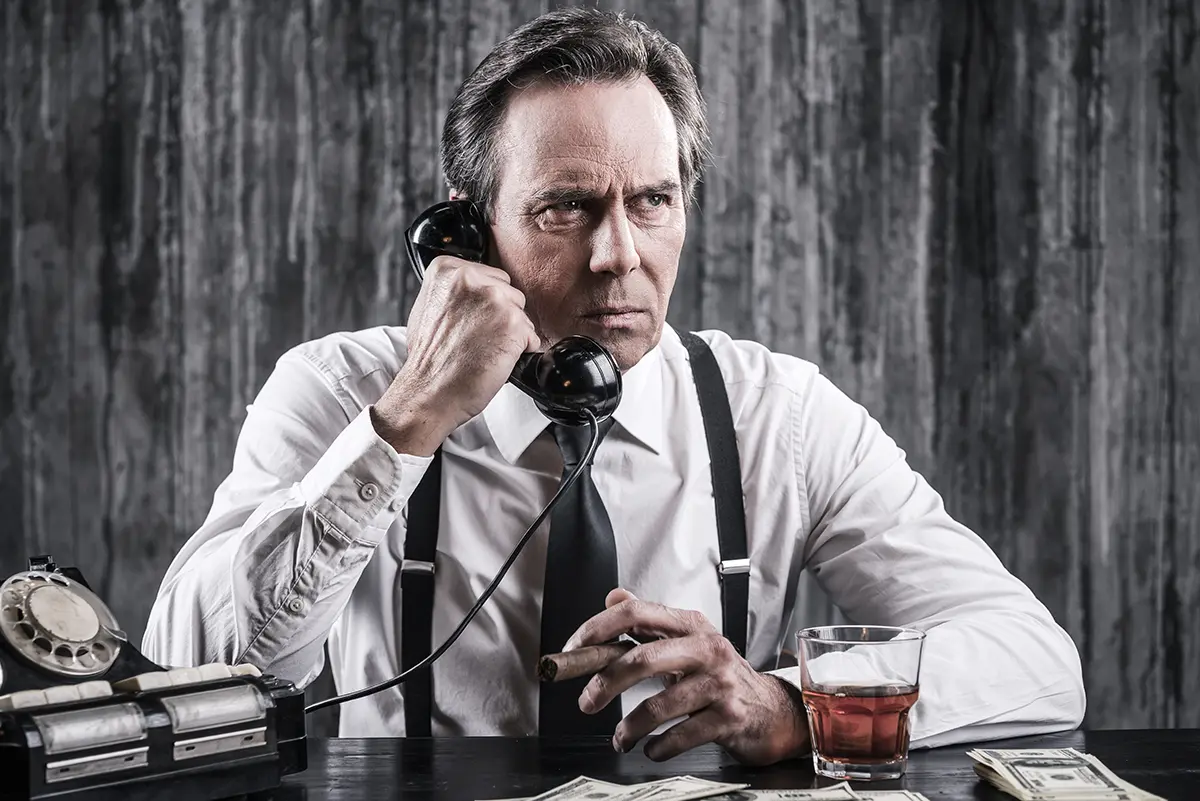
x,y
574,374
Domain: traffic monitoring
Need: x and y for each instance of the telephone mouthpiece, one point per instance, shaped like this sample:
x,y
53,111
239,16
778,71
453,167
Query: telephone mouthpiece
x,y
574,374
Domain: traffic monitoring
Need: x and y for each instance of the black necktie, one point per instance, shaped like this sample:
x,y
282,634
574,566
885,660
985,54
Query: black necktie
x,y
581,569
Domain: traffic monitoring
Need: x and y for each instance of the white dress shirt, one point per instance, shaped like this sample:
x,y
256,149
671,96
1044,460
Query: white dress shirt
x,y
305,538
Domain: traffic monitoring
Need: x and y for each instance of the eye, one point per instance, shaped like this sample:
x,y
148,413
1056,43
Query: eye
x,y
566,205
656,200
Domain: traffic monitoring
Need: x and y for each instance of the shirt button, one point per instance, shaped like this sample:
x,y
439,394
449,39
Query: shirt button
x,y
295,604
396,505
368,491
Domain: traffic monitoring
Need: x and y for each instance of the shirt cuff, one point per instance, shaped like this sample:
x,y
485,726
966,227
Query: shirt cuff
x,y
361,483
789,674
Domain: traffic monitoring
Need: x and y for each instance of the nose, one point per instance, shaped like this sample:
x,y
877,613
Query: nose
x,y
613,247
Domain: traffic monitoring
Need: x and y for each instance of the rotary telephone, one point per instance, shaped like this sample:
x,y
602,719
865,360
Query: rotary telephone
x,y
574,374
84,715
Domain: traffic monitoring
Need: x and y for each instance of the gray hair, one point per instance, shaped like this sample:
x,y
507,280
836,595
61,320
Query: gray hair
x,y
568,47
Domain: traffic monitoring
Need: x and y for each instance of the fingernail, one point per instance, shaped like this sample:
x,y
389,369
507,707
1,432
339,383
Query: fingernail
x,y
585,700
616,744
571,645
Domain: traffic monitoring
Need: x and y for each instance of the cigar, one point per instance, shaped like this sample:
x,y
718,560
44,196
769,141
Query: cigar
x,y
582,661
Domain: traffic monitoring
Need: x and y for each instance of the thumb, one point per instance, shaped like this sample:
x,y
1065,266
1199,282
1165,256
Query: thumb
x,y
617,596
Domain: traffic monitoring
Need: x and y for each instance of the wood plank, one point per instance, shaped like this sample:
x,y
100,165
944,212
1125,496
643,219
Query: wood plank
x,y
1180,87
679,21
725,255
1116,645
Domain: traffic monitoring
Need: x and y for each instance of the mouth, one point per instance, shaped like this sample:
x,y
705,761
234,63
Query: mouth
x,y
614,316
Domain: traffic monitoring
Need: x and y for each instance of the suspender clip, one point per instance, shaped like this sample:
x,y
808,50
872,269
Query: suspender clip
x,y
416,566
733,567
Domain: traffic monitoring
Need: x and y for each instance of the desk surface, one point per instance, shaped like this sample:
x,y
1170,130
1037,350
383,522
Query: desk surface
x,y
1165,762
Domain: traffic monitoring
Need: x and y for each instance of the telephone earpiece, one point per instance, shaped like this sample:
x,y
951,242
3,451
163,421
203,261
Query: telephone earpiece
x,y
574,374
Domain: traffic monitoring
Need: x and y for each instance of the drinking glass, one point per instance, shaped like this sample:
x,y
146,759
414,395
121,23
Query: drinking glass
x,y
858,683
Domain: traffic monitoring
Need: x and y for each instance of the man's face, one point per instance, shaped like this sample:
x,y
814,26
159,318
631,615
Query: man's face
x,y
589,218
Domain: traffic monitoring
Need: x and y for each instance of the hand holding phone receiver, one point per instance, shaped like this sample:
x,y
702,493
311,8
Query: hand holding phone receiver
x,y
576,382
574,374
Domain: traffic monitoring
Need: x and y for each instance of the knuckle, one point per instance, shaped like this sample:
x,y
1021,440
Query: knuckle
x,y
655,708
717,648
517,325
499,295
705,688
454,275
690,619
640,658
709,686
437,267
647,611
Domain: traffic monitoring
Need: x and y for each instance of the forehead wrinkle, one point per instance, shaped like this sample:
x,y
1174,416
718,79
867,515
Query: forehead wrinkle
x,y
596,147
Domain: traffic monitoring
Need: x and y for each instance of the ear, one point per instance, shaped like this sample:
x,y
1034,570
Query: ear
x,y
456,195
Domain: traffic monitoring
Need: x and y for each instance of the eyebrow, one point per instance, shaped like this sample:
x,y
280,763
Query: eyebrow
x,y
567,194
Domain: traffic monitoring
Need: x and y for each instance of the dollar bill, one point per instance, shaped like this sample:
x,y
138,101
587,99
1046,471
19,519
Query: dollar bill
x,y
1053,774
585,788
837,792
691,788
681,788
674,788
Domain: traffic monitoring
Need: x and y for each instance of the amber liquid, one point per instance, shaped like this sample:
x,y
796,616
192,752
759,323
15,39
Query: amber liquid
x,y
860,725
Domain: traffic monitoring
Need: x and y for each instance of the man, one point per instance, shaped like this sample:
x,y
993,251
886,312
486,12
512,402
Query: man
x,y
582,135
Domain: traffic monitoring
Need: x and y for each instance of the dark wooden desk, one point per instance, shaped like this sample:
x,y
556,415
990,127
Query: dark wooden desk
x,y
1165,762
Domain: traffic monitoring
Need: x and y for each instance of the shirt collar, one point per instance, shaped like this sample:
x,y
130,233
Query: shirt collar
x,y
515,422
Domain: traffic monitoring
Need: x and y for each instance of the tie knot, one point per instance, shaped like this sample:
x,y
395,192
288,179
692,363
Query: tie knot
x,y
573,440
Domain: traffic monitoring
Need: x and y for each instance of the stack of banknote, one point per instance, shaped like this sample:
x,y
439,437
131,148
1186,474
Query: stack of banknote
x,y
1053,774
1047,774
689,788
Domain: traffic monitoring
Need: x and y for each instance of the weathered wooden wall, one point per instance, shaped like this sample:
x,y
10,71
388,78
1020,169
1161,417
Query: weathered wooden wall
x,y
981,219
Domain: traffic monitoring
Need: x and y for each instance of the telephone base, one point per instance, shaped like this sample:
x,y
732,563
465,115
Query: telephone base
x,y
84,715
234,758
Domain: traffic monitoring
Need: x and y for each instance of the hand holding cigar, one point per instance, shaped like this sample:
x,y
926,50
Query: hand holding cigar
x,y
581,661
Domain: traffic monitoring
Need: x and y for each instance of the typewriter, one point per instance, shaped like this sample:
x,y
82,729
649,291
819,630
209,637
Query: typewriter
x,y
84,715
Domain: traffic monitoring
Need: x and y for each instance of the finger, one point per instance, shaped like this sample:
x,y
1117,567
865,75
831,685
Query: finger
x,y
641,618
690,695
672,655
488,272
618,595
509,294
703,727
471,271
533,341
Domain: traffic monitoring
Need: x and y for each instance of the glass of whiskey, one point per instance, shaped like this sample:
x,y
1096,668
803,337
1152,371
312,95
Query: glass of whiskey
x,y
859,683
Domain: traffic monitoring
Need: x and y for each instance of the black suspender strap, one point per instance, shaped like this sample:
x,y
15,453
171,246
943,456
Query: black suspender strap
x,y
424,512
416,597
734,568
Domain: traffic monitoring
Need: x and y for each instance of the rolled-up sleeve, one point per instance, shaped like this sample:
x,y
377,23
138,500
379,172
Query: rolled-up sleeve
x,y
882,545
313,489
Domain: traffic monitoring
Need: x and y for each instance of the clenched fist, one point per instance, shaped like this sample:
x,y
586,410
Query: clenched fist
x,y
466,331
